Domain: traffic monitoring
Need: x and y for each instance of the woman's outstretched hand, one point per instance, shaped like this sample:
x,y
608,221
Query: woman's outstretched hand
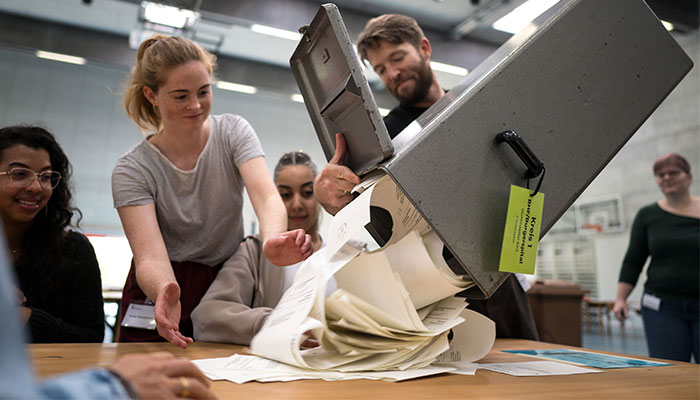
x,y
167,314
288,248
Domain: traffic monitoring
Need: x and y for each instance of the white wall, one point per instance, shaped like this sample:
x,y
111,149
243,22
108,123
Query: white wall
x,y
81,105
673,127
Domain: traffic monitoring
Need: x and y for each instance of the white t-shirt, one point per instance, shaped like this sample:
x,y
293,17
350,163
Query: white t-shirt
x,y
290,272
199,211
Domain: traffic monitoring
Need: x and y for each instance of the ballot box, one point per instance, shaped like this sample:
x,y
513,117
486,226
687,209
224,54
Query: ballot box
x,y
553,105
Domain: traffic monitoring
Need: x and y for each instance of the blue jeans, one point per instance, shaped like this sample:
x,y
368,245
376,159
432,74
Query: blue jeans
x,y
673,332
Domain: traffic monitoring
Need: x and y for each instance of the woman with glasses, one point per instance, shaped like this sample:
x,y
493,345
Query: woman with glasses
x,y
60,292
668,231
248,286
179,193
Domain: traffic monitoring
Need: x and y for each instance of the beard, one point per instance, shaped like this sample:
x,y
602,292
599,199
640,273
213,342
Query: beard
x,y
423,81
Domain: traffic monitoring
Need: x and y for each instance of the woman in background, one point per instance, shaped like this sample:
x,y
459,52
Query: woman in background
x,y
179,193
60,292
248,286
669,232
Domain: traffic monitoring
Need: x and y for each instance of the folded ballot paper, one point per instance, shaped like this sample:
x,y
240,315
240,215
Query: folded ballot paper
x,y
393,317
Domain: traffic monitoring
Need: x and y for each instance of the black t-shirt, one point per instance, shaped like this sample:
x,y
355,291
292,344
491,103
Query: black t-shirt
x,y
400,117
68,307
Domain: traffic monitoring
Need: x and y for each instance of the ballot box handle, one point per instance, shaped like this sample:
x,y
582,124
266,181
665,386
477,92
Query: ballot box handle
x,y
516,142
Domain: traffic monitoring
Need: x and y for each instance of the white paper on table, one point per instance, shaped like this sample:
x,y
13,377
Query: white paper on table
x,y
472,339
280,336
397,376
537,368
462,368
209,364
245,368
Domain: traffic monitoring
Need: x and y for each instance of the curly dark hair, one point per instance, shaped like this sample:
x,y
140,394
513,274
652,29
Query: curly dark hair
x,y
44,238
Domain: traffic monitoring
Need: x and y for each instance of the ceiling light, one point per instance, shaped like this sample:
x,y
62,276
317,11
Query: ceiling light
x,y
236,87
450,69
169,16
297,97
669,26
60,57
280,33
522,15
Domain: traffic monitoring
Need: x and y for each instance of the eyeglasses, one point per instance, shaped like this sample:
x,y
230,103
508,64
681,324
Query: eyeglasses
x,y
24,177
671,174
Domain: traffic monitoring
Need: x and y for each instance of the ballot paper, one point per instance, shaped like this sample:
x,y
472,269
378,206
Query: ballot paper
x,y
378,190
588,358
537,368
246,368
391,317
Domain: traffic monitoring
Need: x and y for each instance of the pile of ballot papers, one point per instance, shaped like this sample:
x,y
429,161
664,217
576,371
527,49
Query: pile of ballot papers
x,y
394,312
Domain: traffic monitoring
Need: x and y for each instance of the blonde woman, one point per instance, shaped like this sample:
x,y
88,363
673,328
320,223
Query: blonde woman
x,y
179,192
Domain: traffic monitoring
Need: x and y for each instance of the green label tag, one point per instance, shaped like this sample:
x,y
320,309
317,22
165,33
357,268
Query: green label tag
x,y
522,232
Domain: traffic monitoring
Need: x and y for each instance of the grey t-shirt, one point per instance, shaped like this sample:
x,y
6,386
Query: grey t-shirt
x,y
198,211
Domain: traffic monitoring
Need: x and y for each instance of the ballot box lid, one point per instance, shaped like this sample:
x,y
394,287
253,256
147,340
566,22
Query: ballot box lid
x,y
336,92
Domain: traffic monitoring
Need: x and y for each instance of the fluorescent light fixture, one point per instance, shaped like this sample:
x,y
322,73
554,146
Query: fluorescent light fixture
x,y
297,97
60,57
384,111
236,87
280,33
450,69
522,15
669,26
169,16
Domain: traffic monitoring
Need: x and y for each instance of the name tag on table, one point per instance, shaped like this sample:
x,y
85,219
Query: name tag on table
x,y
650,301
140,316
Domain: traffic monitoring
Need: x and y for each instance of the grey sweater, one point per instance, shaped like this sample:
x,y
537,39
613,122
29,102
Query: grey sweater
x,y
243,294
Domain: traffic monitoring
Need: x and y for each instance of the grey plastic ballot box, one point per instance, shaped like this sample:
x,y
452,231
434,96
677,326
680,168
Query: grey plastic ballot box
x,y
575,85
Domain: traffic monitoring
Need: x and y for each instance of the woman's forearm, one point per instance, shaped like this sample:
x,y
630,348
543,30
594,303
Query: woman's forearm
x,y
272,216
623,291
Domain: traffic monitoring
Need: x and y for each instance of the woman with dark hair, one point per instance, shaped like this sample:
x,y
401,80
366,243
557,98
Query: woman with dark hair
x,y
249,286
668,232
60,293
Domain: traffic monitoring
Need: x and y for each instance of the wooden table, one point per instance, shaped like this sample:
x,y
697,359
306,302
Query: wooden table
x,y
679,381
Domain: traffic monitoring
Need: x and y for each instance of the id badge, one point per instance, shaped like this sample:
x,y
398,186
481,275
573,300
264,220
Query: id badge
x,y
650,301
140,316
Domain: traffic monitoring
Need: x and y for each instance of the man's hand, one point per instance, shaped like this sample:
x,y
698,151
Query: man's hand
x,y
162,376
167,314
21,299
334,184
24,314
288,248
